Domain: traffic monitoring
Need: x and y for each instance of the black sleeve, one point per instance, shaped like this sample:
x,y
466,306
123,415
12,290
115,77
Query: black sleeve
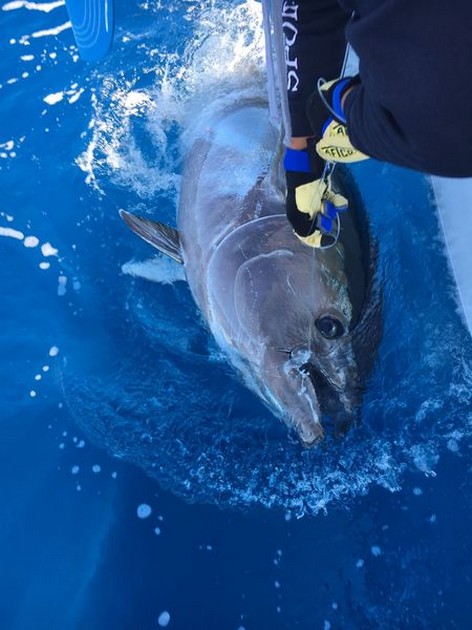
x,y
414,105
314,47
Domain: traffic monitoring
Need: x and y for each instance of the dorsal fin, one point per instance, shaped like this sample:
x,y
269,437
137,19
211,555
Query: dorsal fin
x,y
162,237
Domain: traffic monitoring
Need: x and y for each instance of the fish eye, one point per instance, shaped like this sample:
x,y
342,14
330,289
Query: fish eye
x,y
329,327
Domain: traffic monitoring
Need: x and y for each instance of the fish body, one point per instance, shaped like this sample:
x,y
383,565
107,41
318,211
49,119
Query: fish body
x,y
293,320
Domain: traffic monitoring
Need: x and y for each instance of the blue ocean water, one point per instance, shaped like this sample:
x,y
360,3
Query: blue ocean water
x,y
142,484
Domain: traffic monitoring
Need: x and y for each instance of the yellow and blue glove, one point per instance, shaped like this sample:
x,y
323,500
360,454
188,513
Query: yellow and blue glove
x,y
334,145
311,204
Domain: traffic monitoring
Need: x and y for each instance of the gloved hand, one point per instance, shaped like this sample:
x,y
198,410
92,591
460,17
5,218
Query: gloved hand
x,y
334,145
311,203
321,204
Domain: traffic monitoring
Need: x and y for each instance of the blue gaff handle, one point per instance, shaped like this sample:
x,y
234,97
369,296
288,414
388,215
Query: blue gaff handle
x,y
92,24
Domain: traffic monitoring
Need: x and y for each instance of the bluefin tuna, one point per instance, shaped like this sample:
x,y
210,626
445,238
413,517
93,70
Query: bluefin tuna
x,y
300,325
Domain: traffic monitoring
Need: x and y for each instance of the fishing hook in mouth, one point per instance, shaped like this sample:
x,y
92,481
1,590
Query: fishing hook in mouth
x,y
297,358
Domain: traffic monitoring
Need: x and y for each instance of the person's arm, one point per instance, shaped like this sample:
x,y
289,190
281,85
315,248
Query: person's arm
x,y
315,45
314,48
412,105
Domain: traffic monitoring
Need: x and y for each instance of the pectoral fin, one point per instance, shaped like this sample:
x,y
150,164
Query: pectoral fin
x,y
162,237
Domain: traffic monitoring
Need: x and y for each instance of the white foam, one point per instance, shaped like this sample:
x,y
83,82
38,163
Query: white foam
x,y
44,265
115,150
75,470
376,551
144,510
48,250
31,241
52,99
32,393
53,351
52,31
163,619
114,145
75,96
96,468
27,57
45,7
11,233
136,102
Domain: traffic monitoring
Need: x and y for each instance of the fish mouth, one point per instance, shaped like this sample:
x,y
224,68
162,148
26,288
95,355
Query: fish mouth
x,y
339,406
308,397
289,392
309,438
